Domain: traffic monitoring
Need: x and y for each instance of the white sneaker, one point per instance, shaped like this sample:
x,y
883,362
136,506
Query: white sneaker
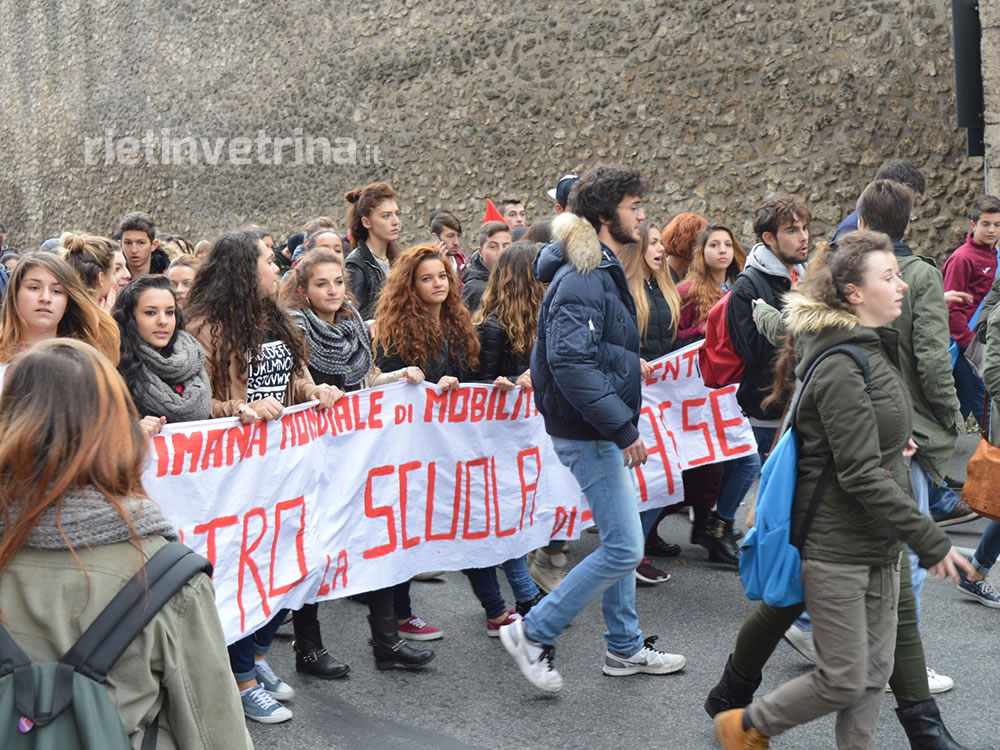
x,y
938,683
801,639
648,660
533,659
276,687
260,706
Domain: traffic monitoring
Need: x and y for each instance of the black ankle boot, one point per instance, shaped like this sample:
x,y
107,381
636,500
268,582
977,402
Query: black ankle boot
x,y
721,544
524,607
924,728
732,691
390,650
699,529
310,656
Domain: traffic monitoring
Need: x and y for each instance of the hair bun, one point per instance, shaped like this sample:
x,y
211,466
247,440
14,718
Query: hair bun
x,y
73,242
351,196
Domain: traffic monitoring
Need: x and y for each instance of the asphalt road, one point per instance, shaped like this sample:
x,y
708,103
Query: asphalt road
x,y
472,695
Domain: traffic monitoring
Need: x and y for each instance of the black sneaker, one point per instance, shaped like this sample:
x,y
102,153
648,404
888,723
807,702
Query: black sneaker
x,y
660,548
961,513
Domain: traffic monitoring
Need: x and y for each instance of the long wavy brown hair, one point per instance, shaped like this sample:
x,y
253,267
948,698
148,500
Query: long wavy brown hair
x,y
226,296
66,422
403,323
702,290
83,319
514,296
632,257
680,234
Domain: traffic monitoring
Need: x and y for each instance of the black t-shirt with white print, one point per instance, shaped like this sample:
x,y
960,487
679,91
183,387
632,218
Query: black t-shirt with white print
x,y
269,373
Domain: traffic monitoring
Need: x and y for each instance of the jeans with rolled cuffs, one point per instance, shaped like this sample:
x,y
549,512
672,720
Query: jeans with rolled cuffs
x,y
608,571
241,653
988,549
521,583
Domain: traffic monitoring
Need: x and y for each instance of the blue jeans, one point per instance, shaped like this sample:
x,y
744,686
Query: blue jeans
x,y
609,570
988,549
241,653
516,570
648,520
941,501
970,389
487,587
765,438
738,475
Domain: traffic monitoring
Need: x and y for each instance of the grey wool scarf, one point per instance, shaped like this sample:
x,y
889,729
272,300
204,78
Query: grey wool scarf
x,y
89,519
154,391
340,348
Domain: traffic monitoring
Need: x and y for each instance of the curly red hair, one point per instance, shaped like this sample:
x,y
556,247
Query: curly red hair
x,y
403,323
680,234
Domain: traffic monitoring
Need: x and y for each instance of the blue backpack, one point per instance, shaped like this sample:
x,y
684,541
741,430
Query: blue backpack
x,y
770,561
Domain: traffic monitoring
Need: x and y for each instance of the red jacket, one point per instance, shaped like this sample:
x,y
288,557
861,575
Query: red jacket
x,y
971,268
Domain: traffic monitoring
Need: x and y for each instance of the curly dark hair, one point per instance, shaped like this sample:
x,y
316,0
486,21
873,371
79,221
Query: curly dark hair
x,y
226,296
597,194
130,365
404,325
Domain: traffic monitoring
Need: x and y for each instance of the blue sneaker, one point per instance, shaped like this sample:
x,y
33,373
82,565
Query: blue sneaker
x,y
982,591
274,685
258,705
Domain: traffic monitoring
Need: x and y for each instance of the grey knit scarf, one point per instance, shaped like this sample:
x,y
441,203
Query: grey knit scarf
x,y
337,349
89,519
153,390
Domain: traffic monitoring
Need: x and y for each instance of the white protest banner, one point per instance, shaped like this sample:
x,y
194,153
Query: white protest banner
x,y
397,480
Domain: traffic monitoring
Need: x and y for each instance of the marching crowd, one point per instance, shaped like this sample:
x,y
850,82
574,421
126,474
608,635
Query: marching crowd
x,y
156,329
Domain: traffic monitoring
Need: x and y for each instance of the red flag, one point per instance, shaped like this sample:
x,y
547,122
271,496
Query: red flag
x,y
492,214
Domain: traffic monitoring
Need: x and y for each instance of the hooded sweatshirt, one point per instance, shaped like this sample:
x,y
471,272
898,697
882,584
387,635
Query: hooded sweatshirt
x,y
764,277
971,268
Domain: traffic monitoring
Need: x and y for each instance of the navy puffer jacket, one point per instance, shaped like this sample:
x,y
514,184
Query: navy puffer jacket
x,y
585,364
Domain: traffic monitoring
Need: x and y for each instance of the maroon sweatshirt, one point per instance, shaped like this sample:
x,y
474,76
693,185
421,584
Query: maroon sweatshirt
x,y
971,268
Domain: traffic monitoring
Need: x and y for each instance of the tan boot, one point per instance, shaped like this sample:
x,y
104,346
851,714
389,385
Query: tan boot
x,y
547,570
731,735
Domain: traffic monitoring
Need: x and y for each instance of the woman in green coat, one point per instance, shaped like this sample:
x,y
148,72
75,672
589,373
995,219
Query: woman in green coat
x,y
851,556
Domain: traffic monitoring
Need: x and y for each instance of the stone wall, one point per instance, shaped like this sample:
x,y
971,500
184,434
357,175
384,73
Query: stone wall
x,y
989,18
719,102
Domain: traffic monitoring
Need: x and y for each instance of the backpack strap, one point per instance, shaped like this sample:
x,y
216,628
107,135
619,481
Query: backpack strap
x,y
133,608
14,661
859,357
12,657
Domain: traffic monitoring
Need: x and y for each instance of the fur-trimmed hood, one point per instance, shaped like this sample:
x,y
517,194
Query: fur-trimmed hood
x,y
806,315
574,241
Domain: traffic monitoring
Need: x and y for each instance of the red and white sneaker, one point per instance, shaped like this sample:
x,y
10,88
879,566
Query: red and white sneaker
x,y
493,628
416,629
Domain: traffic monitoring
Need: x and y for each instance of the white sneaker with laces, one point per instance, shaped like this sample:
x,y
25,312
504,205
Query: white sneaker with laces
x,y
274,685
533,659
647,660
938,683
801,639
258,705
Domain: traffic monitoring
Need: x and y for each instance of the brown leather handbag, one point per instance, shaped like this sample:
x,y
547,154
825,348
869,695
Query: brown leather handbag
x,y
982,482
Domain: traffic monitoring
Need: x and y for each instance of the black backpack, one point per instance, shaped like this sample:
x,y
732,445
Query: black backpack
x,y
65,705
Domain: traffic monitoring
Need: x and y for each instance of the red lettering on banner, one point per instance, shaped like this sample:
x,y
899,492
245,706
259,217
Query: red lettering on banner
x,y
408,541
492,404
383,511
359,423
305,426
721,424
287,430
322,421
586,516
528,486
186,445
672,367
691,357
496,501
484,463
210,528
651,380
501,400
374,411
340,570
658,447
439,400
477,409
300,503
698,427
451,533
565,519
245,437
454,414
180,533
162,459
247,562
342,415
215,443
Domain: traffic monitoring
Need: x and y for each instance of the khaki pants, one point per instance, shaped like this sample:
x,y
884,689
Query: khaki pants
x,y
853,610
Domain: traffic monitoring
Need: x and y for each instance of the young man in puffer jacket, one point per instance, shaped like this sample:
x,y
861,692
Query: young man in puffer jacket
x,y
585,371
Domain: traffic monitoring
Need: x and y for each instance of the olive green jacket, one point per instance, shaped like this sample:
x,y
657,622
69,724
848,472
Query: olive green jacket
x,y
867,507
178,663
991,372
